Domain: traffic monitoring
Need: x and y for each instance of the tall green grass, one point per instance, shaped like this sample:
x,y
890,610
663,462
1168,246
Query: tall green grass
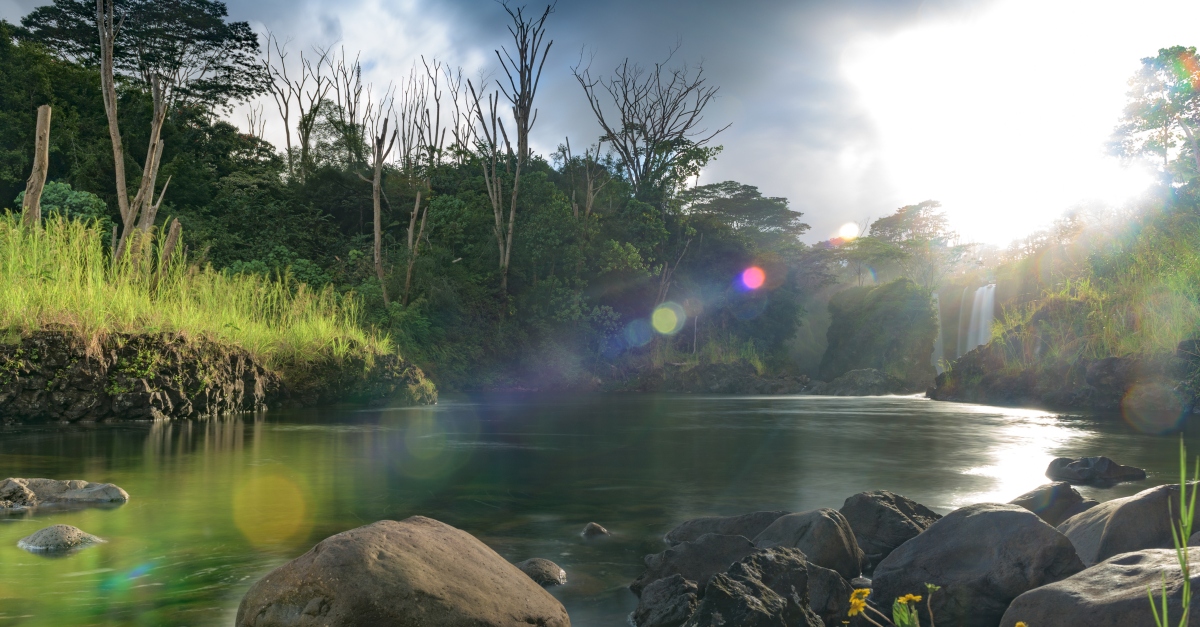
x,y
60,277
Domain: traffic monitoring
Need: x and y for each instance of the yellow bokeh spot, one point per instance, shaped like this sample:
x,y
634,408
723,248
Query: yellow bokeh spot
x,y
668,318
848,231
270,509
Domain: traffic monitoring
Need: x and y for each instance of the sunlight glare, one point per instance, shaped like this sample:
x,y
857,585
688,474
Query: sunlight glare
x,y
848,231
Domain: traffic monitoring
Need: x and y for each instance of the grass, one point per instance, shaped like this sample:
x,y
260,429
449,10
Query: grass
x,y
60,277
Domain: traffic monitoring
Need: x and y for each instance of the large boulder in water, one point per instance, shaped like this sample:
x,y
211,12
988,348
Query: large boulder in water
x,y
1054,502
1092,470
748,525
1132,523
766,589
668,602
696,561
823,535
828,594
57,538
414,572
1109,594
883,521
18,493
983,556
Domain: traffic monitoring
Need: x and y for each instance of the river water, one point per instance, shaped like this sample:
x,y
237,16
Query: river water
x,y
215,505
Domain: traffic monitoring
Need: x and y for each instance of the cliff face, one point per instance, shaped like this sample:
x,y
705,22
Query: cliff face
x,y
52,376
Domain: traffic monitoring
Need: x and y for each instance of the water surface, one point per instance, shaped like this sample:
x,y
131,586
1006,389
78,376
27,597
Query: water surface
x,y
215,505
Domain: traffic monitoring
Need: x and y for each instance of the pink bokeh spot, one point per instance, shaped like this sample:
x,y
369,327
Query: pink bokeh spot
x,y
754,277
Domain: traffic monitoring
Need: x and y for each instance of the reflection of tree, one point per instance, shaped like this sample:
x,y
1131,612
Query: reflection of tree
x,y
170,441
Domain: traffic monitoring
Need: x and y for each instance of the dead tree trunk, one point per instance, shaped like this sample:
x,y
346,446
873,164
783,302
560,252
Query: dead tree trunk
x,y
32,204
107,28
381,147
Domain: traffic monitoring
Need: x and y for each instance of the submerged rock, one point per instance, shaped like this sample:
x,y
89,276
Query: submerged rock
x,y
823,535
414,572
766,589
668,602
57,538
543,571
1092,470
748,525
16,493
696,561
1132,523
593,530
883,521
983,556
1054,502
1109,594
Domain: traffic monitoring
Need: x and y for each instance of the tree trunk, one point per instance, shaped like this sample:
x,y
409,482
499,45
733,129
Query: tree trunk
x,y
108,88
32,205
376,188
414,245
1195,148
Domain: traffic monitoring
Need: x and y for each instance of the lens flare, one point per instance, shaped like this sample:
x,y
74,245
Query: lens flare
x,y
638,333
270,510
1153,408
848,231
668,318
754,277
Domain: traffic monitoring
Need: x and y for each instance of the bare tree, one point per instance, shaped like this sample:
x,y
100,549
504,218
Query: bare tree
x,y
31,204
377,117
656,130
593,175
256,123
349,105
300,89
108,27
280,86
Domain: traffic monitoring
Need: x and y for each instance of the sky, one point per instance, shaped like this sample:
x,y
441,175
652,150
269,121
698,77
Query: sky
x,y
999,109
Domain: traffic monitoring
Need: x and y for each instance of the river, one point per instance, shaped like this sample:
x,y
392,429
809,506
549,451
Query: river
x,y
215,505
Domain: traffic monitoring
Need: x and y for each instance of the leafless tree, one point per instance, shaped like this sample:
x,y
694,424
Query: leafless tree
x,y
593,175
349,104
256,123
31,204
656,129
299,89
377,117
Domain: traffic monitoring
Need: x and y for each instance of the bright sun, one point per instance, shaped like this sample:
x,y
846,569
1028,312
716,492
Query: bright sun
x,y
1003,115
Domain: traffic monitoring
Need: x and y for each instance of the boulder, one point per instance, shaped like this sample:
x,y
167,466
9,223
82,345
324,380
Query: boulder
x,y
543,571
1109,594
57,538
823,535
24,493
414,572
668,602
864,382
766,589
1053,502
696,561
983,556
1132,523
593,530
1092,470
748,525
828,594
883,521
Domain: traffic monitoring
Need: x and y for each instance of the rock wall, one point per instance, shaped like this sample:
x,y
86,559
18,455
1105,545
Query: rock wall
x,y
53,376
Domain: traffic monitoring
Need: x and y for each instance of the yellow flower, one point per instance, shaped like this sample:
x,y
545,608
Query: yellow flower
x,y
857,606
860,594
1020,623
910,598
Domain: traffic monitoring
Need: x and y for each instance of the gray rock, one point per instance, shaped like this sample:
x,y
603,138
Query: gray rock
x,y
543,571
883,521
593,530
18,493
766,589
696,561
823,535
748,525
414,572
1109,594
828,594
57,538
1132,523
1092,470
668,602
1053,502
864,382
983,556
1194,540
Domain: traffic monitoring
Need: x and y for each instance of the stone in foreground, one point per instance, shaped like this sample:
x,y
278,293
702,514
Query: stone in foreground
x,y
1109,594
983,556
883,521
57,538
414,572
823,535
1092,471
543,571
696,561
1054,502
668,602
1132,523
766,589
748,525
18,493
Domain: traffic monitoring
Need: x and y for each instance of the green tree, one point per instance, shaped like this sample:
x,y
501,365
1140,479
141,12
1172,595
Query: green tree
x,y
1163,106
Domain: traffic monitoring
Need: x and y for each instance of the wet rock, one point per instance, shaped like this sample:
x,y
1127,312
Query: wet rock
x,y
57,538
983,556
668,602
1092,470
1053,502
696,561
828,594
593,530
823,535
414,572
748,525
883,521
1109,594
1132,523
864,382
543,571
16,493
766,589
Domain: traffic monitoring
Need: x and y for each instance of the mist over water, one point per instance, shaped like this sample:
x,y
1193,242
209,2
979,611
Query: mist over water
x,y
216,505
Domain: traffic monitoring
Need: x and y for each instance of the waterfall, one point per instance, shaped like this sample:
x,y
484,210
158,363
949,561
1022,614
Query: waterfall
x,y
979,329
962,326
939,347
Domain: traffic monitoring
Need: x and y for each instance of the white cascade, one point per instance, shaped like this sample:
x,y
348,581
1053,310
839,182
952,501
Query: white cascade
x,y
979,330
939,348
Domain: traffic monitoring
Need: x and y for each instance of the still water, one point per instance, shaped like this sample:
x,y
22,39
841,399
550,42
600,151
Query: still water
x,y
215,505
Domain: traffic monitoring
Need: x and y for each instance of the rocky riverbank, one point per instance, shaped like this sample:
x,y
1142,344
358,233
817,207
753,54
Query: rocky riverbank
x,y
743,378
53,376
